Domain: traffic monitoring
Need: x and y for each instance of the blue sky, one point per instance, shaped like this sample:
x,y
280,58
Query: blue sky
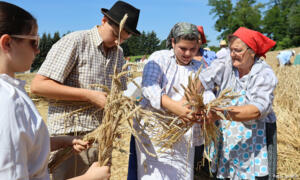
x,y
156,15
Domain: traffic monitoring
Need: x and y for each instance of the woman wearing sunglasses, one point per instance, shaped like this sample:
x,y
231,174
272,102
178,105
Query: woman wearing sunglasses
x,y
25,142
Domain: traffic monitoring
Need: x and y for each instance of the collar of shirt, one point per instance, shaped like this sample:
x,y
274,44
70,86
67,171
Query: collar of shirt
x,y
12,81
96,36
258,65
97,39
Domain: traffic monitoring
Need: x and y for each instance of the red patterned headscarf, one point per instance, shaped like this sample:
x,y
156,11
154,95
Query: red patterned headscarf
x,y
201,31
258,42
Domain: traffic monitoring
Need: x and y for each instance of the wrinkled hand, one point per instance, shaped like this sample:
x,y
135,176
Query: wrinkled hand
x,y
209,117
97,98
212,116
95,172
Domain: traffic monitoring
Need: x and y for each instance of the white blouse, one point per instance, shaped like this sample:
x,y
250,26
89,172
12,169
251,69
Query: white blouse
x,y
160,75
242,150
25,143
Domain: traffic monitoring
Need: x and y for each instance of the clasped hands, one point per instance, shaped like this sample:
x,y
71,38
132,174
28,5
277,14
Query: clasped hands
x,y
186,113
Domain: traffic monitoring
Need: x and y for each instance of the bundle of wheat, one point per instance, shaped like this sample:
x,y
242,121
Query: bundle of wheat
x,y
175,128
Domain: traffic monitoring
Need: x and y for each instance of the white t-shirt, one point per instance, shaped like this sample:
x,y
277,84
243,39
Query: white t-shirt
x,y
25,142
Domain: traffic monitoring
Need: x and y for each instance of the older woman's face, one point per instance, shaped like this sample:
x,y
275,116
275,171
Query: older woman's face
x,y
242,57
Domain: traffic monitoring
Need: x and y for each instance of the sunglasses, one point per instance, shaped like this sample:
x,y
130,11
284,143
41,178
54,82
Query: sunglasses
x,y
35,39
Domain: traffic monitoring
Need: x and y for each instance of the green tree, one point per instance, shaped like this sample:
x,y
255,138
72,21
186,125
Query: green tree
x,y
142,43
152,43
162,45
146,43
282,23
125,48
222,10
273,23
294,24
55,38
46,43
245,13
131,46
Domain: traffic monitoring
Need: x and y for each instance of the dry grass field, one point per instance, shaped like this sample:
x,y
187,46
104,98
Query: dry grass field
x,y
286,106
287,109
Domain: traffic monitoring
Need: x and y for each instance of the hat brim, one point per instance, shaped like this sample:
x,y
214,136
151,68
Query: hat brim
x,y
132,31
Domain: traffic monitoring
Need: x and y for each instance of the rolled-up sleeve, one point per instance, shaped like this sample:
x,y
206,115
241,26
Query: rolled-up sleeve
x,y
151,83
261,93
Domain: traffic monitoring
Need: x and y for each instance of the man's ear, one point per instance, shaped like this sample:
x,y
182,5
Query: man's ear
x,y
200,42
104,20
5,42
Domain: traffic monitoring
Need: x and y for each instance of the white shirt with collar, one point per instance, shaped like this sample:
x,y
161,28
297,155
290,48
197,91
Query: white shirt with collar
x,y
25,143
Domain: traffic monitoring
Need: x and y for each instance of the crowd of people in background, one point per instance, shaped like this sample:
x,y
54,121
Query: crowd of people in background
x,y
247,146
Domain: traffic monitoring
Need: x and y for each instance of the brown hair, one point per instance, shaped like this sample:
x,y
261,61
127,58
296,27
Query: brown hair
x,y
232,38
15,20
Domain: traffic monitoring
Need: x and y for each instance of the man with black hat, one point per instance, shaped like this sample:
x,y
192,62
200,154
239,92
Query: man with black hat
x,y
75,62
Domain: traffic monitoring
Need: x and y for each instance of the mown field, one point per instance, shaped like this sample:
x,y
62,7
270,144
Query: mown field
x,y
286,106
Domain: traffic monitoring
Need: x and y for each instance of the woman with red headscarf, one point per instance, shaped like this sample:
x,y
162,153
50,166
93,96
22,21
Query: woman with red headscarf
x,y
242,149
204,55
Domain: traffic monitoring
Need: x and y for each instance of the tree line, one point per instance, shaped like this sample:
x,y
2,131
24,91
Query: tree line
x,y
280,22
46,43
146,43
278,19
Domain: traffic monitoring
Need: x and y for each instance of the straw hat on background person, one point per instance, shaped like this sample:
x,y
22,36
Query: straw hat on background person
x,y
223,43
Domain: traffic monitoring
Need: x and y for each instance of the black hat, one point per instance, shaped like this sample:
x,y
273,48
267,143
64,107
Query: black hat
x,y
117,12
